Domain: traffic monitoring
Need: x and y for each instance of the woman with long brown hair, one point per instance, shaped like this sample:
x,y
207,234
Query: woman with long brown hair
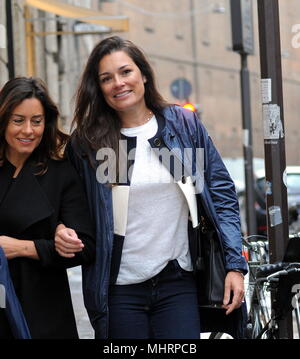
x,y
143,205
39,190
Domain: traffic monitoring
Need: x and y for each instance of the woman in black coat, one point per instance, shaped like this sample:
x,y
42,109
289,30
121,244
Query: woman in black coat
x,y
38,190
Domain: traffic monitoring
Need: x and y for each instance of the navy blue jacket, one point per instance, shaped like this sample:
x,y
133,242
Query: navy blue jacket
x,y
178,129
12,308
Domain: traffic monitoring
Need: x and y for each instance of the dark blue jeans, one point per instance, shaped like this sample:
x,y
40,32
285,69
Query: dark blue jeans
x,y
163,307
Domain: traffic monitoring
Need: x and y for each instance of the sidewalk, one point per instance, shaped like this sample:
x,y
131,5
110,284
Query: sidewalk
x,y
84,327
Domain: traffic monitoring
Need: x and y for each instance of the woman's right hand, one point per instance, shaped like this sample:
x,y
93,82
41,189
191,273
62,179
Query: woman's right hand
x,y
67,242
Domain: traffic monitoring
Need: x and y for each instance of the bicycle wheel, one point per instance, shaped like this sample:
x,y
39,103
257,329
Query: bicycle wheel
x,y
296,316
259,313
219,335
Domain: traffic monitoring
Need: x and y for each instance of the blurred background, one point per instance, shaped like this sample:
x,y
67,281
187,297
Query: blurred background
x,y
187,41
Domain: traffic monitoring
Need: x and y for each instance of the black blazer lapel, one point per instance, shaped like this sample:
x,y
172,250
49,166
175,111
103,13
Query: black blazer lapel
x,y
25,203
6,173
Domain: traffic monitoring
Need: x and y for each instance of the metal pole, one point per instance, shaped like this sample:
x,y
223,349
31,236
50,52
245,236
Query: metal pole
x,y
194,49
247,147
10,40
274,141
243,43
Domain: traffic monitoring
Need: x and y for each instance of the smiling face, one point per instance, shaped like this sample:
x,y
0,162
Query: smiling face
x,y
122,83
24,131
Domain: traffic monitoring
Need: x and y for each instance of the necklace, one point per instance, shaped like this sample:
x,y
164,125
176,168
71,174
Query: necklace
x,y
148,118
136,124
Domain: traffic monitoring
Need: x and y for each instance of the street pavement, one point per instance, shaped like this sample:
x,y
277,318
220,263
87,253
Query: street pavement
x,y
84,327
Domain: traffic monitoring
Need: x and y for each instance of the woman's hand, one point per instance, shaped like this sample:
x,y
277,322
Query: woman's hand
x,y
234,283
13,248
67,242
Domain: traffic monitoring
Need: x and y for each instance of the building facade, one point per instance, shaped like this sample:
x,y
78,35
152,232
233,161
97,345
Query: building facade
x,y
188,43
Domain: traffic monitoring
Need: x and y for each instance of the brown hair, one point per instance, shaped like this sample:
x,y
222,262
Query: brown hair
x,y
97,124
11,95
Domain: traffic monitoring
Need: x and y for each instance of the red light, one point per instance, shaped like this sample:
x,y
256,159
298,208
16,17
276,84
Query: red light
x,y
189,107
245,253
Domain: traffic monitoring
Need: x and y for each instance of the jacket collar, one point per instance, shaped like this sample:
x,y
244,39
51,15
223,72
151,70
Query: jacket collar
x,y
165,136
7,171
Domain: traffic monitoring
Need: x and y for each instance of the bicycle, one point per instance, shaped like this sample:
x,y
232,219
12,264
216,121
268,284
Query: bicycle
x,y
259,250
266,281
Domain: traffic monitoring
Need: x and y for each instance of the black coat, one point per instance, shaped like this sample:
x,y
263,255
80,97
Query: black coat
x,y
30,208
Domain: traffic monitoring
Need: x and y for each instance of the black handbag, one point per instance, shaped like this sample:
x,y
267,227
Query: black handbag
x,y
209,266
